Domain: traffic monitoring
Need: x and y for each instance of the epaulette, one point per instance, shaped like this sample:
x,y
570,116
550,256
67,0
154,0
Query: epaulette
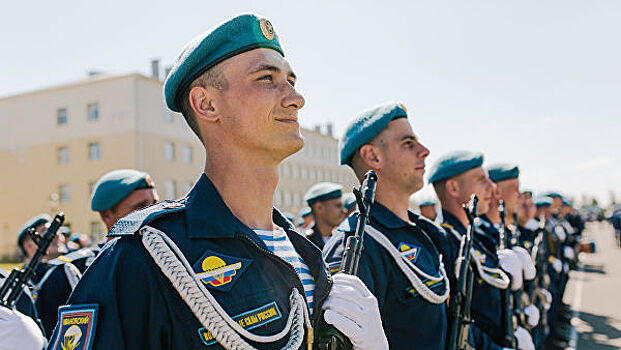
x,y
308,232
447,226
75,255
134,221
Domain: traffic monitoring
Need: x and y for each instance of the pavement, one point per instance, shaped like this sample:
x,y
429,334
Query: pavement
x,y
594,292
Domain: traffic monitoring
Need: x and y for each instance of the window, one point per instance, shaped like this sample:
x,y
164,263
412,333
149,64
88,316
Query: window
x,y
93,111
169,151
171,189
64,193
277,198
285,170
296,199
187,154
296,171
91,187
94,151
96,230
312,174
63,155
287,199
61,116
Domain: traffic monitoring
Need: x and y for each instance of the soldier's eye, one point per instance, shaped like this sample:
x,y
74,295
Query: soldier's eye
x,y
267,77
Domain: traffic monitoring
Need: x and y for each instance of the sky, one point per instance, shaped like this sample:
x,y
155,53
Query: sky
x,y
536,83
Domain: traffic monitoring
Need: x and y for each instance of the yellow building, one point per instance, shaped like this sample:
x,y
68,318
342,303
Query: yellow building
x,y
55,143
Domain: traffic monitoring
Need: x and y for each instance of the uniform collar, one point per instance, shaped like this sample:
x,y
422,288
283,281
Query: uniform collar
x,y
387,218
453,222
208,216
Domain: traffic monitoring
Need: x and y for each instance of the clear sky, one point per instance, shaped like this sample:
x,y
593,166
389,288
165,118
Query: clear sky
x,y
537,83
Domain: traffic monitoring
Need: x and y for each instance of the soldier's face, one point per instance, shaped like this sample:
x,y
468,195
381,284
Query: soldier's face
x,y
510,193
136,200
259,109
331,211
403,156
476,181
428,211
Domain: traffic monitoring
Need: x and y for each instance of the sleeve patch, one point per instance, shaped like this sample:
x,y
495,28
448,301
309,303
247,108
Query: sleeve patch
x,y
76,327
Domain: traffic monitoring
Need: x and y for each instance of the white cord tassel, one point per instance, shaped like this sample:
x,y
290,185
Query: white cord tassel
x,y
206,308
500,282
408,268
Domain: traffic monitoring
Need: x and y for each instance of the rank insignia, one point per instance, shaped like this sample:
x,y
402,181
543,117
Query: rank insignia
x,y
217,271
409,251
76,327
247,320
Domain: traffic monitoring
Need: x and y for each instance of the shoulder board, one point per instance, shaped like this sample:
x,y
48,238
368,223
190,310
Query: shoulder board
x,y
78,254
425,223
131,223
447,226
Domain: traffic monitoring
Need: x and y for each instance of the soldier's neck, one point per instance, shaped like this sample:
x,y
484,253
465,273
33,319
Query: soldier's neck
x,y
493,214
393,200
457,210
247,188
325,228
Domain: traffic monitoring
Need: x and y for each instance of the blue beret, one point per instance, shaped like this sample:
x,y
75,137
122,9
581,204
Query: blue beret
x,y
349,200
499,172
32,222
114,186
289,216
566,202
366,126
552,194
453,164
237,35
323,191
543,201
306,211
427,204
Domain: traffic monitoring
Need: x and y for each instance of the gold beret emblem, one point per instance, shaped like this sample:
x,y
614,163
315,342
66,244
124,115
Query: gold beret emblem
x,y
403,107
267,29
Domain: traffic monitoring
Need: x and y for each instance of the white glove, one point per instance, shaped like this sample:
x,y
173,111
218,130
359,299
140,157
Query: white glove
x,y
569,253
527,263
532,225
18,331
524,340
557,265
353,310
532,314
565,267
548,296
560,233
511,264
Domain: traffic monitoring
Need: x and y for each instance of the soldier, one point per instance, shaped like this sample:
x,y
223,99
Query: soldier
x,y
306,215
349,200
428,210
326,204
456,176
54,279
400,262
116,194
220,267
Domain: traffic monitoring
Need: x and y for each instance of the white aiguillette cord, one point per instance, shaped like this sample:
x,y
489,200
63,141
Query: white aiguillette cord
x,y
500,282
206,308
408,268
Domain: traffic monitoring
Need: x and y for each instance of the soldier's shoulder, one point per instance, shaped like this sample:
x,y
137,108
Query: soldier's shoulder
x,y
131,224
76,255
428,226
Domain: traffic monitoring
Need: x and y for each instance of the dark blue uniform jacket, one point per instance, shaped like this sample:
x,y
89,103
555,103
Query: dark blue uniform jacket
x,y
486,306
410,322
137,306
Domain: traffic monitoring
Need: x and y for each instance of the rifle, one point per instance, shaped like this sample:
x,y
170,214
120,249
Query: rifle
x,y
459,308
328,337
506,294
14,285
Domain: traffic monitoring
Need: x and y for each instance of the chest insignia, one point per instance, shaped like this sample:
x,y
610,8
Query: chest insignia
x,y
77,327
219,271
410,252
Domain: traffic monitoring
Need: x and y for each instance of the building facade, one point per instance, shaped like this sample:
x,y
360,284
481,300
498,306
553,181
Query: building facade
x,y
57,142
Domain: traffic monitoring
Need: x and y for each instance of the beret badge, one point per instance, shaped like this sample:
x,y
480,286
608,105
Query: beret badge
x,y
267,29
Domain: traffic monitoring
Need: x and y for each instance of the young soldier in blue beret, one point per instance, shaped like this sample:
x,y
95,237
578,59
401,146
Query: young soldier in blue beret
x,y
428,210
455,177
220,268
349,201
115,195
327,207
306,214
400,260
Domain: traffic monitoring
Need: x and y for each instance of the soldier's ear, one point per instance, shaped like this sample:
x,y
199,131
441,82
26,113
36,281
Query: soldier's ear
x,y
370,156
203,101
451,187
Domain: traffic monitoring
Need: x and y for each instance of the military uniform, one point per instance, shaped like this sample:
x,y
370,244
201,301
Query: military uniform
x,y
314,235
134,306
409,320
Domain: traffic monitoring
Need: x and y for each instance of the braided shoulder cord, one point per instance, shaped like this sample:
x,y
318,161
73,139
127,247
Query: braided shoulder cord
x,y
408,268
500,282
206,308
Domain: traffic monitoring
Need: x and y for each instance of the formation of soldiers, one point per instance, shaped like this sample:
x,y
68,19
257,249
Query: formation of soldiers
x,y
222,268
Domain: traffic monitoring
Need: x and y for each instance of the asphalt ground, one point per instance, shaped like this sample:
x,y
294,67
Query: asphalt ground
x,y
594,292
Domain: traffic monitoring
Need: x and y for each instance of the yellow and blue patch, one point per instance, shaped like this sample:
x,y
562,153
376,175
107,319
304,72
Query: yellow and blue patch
x,y
218,271
247,320
409,251
429,283
76,325
334,267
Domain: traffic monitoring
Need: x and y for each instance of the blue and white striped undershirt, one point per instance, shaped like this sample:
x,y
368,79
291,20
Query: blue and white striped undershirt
x,y
278,242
